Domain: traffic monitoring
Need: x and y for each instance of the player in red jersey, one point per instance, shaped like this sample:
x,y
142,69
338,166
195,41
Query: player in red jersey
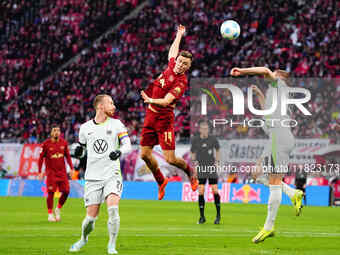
x,y
161,97
54,150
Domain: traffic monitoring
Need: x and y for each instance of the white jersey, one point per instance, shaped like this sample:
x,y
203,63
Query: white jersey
x,y
274,128
100,140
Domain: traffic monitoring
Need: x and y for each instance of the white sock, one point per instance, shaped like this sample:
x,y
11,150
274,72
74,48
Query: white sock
x,y
87,226
274,202
113,223
288,190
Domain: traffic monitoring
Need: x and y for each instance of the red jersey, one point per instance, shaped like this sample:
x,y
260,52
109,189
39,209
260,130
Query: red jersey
x,y
54,153
168,82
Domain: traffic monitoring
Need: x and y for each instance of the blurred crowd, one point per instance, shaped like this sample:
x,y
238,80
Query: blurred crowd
x,y
277,34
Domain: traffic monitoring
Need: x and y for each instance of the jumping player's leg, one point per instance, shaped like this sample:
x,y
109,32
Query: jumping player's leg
x,y
64,188
149,139
171,158
274,201
151,162
295,195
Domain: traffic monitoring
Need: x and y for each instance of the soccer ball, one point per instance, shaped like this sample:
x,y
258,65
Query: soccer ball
x,y
230,29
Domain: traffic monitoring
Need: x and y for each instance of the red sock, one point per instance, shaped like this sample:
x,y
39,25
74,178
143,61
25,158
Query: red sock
x,y
49,201
188,170
62,199
158,176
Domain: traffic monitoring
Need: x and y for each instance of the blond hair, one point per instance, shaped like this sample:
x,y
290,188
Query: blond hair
x,y
98,99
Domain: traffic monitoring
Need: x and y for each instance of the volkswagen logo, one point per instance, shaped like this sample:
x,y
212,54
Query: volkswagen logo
x,y
100,146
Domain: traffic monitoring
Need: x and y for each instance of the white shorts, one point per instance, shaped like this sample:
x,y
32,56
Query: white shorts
x,y
275,159
97,191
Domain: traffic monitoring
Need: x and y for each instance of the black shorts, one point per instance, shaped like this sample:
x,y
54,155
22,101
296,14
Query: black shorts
x,y
205,173
211,177
203,181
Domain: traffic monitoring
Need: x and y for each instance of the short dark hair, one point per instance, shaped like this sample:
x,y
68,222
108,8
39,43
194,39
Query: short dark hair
x,y
186,54
55,125
98,99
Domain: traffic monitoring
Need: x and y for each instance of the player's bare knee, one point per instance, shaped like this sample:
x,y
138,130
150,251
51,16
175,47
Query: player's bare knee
x,y
171,161
145,155
113,214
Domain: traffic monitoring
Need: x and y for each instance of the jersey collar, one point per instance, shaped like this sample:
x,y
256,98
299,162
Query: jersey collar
x,y
94,121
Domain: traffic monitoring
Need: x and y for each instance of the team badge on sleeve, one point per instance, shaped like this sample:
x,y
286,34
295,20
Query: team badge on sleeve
x,y
178,90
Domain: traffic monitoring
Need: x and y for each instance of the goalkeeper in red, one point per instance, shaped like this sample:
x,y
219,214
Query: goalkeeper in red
x,y
161,97
54,150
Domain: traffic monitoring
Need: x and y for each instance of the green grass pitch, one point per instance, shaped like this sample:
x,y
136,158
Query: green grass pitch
x,y
166,227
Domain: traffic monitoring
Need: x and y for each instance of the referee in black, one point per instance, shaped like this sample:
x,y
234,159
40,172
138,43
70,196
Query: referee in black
x,y
205,154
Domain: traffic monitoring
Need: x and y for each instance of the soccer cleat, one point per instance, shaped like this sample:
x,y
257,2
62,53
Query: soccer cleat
x,y
111,249
217,220
77,246
297,201
201,220
161,189
262,235
194,183
57,214
51,218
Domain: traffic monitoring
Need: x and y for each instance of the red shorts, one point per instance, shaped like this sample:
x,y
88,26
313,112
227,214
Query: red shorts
x,y
158,129
62,184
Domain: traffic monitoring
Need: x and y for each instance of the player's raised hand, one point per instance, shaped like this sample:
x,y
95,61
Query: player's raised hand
x,y
235,71
181,30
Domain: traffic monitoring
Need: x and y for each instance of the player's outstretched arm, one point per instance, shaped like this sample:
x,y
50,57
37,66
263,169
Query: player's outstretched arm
x,y
174,48
163,102
253,71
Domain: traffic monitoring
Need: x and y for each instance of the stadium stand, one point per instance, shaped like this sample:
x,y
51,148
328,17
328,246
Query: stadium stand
x,y
124,62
